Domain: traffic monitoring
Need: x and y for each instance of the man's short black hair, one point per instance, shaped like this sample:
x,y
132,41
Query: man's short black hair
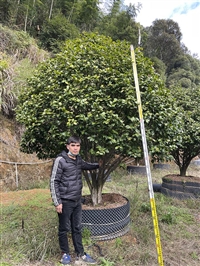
x,y
73,139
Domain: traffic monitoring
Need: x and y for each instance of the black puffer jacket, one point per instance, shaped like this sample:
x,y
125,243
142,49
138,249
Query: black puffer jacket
x,y
66,180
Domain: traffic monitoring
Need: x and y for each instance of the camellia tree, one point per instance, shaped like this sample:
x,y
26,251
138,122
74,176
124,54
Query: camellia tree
x,y
88,90
188,146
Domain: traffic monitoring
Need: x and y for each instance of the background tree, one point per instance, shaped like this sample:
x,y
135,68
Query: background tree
x,y
160,67
119,23
88,90
88,15
186,72
172,60
56,31
5,7
21,14
188,145
32,15
164,41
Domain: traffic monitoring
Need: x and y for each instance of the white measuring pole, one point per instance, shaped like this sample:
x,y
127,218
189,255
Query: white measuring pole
x,y
146,156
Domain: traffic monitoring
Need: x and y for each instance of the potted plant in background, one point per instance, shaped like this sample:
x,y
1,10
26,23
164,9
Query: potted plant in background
x,y
185,143
161,164
136,165
88,90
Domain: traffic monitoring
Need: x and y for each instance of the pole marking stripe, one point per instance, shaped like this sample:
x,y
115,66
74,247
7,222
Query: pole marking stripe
x,y
148,170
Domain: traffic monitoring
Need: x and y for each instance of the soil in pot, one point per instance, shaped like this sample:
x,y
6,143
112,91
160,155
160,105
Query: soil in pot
x,y
109,200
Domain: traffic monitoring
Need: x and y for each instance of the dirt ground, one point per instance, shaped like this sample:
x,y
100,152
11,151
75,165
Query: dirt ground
x,y
20,197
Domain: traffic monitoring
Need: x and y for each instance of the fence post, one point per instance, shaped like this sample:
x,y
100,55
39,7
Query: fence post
x,y
16,176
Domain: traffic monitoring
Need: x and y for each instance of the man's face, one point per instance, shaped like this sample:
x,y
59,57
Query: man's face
x,y
74,148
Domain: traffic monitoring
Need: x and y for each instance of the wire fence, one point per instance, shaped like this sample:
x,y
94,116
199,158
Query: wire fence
x,y
16,168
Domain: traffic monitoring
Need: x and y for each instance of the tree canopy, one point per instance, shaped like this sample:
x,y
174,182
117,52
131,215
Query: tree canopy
x,y
188,145
88,90
163,41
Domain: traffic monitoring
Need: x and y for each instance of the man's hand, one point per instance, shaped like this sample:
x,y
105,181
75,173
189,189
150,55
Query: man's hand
x,y
59,208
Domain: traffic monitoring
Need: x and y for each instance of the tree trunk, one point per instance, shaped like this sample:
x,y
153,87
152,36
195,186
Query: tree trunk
x,y
183,167
96,179
51,8
16,12
32,14
182,159
183,170
96,196
26,18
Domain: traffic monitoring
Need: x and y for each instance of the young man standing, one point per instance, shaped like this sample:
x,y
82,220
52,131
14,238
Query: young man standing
x,y
66,191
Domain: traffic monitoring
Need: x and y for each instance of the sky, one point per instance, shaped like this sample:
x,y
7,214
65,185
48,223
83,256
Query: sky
x,y
185,13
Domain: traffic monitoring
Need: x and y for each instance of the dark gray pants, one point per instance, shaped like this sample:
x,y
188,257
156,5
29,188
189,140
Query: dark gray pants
x,y
70,218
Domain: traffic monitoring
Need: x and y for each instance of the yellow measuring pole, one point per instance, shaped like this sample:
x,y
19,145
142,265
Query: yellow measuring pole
x,y
146,156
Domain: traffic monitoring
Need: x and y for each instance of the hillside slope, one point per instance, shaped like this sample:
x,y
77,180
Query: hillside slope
x,y
19,55
17,169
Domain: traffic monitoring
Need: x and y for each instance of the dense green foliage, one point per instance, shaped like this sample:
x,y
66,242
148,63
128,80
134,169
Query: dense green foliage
x,y
56,31
188,145
163,43
89,86
120,24
88,90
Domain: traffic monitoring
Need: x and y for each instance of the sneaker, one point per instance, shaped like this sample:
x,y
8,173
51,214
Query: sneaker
x,y
85,258
65,259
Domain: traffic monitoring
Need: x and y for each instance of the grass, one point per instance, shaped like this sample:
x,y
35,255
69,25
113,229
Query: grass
x,y
29,232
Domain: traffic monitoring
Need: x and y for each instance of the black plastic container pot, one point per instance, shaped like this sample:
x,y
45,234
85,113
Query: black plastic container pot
x,y
161,166
136,169
105,224
180,189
